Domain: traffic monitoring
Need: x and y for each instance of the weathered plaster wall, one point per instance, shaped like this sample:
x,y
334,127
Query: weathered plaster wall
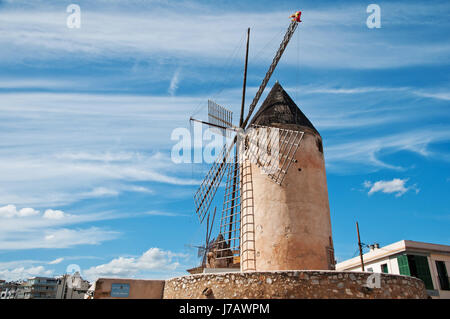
x,y
292,285
291,222
139,289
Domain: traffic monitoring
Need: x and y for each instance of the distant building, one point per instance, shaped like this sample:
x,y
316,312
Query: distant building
x,y
64,287
8,290
71,287
90,292
429,262
39,288
20,291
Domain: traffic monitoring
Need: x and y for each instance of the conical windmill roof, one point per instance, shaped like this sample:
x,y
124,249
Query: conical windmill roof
x,y
278,109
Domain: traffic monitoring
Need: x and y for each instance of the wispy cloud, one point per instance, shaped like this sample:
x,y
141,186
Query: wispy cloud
x,y
174,83
57,238
108,33
348,90
366,150
49,230
56,261
159,213
445,96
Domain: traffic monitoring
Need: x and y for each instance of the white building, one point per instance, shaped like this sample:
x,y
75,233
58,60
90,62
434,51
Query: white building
x,y
72,287
429,262
8,290
37,288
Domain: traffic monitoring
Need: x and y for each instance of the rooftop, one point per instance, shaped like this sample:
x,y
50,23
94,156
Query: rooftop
x,y
279,108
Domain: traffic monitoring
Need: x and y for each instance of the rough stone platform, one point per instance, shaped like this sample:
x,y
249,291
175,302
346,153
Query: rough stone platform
x,y
301,284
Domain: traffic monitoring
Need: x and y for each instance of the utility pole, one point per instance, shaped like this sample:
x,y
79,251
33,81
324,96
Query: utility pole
x,y
360,247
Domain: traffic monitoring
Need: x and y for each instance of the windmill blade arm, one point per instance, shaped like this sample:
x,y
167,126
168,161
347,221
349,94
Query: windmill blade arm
x,y
207,190
287,37
233,128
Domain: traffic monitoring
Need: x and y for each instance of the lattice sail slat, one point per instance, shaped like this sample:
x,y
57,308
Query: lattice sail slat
x,y
220,116
228,245
208,188
272,149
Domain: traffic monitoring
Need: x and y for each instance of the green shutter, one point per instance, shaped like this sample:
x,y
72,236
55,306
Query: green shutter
x,y
423,271
403,265
384,268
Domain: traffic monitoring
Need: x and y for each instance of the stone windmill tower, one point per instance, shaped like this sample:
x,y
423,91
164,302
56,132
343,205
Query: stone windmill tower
x,y
275,212
275,219
286,226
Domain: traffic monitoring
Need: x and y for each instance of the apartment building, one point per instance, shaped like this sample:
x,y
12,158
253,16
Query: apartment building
x,y
427,261
39,288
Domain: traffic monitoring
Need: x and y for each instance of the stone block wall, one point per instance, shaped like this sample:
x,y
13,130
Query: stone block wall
x,y
293,285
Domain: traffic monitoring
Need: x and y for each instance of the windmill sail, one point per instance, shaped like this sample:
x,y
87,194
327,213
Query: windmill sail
x,y
219,116
207,190
287,37
226,247
272,149
230,223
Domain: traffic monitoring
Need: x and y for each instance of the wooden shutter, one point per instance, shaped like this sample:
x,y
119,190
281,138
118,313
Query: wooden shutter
x,y
403,265
423,271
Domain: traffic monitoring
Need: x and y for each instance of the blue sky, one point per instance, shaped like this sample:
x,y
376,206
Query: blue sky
x,y
87,116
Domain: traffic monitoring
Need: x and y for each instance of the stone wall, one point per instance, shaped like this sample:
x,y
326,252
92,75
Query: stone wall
x,y
293,285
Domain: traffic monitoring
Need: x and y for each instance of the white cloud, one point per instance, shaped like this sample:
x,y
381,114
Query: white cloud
x,y
103,153
49,230
152,261
139,189
111,159
330,37
56,238
54,214
349,90
56,261
174,83
367,184
366,151
24,212
107,156
158,213
21,273
445,96
10,211
35,83
100,192
395,186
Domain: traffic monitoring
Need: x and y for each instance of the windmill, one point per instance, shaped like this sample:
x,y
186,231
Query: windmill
x,y
272,149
